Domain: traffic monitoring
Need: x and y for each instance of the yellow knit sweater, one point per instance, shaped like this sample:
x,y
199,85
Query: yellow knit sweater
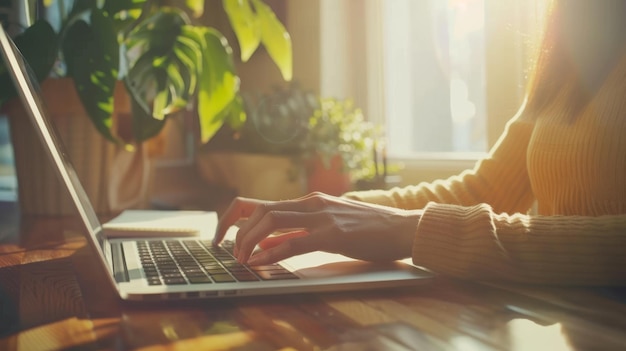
x,y
476,225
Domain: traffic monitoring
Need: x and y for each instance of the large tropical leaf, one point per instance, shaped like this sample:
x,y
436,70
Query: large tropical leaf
x,y
159,31
164,77
92,58
245,25
219,83
275,38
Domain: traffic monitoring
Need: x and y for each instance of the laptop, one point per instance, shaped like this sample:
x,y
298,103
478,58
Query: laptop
x,y
175,268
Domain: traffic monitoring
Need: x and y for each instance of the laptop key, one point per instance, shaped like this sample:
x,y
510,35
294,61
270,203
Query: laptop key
x,y
245,276
174,281
212,266
199,280
154,281
194,272
164,272
218,270
172,275
222,278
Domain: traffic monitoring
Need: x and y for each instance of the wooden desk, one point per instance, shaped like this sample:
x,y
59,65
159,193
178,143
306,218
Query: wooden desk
x,y
51,297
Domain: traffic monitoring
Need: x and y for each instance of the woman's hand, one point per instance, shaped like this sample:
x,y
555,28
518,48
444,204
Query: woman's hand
x,y
319,222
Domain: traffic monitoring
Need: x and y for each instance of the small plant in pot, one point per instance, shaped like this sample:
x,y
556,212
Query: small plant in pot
x,y
158,54
340,147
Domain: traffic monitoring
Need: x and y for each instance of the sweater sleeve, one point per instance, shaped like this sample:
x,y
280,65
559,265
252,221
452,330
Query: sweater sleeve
x,y
501,180
477,243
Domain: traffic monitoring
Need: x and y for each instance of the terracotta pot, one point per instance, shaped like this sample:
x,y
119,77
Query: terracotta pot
x,y
113,178
331,179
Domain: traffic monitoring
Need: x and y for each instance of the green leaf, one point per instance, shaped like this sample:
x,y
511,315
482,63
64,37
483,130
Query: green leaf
x,y
39,46
174,93
159,104
92,58
219,83
164,76
175,78
196,6
140,81
143,124
159,101
189,53
159,31
176,86
245,25
235,113
275,38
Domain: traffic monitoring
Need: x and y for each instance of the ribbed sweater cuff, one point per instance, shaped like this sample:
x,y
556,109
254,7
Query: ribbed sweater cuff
x,y
450,239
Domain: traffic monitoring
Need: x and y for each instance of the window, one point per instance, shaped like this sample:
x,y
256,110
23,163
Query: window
x,y
443,76
454,71
434,76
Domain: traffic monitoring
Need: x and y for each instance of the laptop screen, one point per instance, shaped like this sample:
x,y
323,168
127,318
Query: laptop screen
x,y
28,90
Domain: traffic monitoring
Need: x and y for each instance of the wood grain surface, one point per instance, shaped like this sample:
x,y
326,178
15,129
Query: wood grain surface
x,y
52,297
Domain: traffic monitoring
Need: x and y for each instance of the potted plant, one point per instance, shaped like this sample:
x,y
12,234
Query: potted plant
x,y
134,64
341,147
298,141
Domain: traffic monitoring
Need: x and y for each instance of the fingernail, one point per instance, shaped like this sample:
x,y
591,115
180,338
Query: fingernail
x,y
253,261
256,259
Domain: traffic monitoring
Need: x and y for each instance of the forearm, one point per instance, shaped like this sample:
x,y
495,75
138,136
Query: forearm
x,y
476,243
501,180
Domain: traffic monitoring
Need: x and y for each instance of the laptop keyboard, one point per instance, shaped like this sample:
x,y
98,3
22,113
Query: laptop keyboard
x,y
175,262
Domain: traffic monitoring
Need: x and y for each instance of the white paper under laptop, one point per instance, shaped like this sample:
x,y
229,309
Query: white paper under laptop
x,y
143,269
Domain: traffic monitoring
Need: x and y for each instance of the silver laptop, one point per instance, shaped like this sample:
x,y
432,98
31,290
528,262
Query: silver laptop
x,y
190,268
